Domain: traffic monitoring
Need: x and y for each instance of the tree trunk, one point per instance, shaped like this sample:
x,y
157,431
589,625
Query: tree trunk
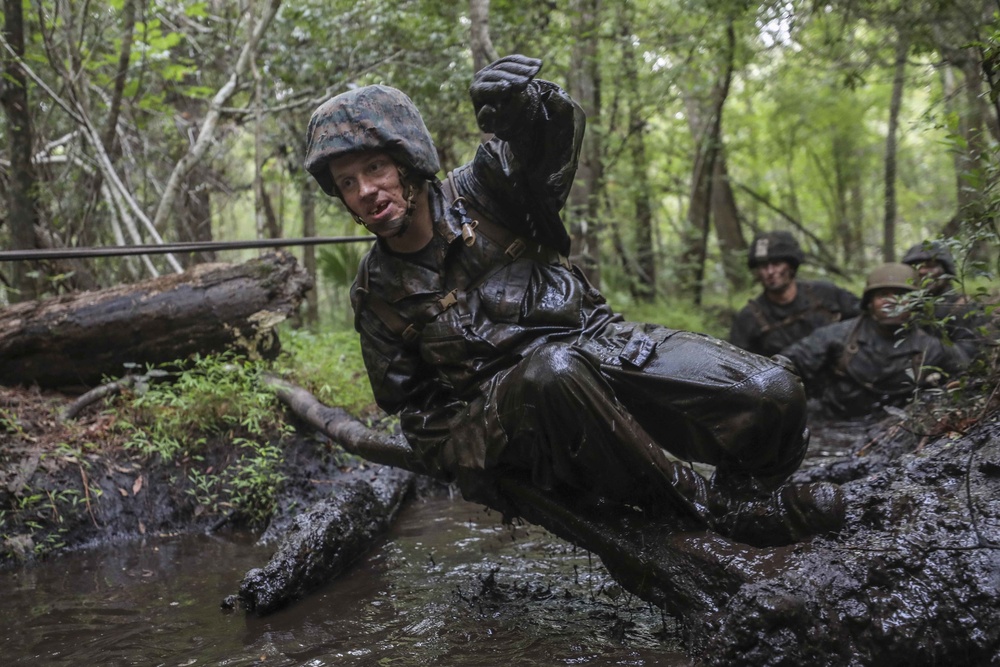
x,y
22,214
326,539
692,262
910,579
307,204
707,130
968,165
728,231
194,215
480,43
79,339
898,81
206,131
644,283
585,87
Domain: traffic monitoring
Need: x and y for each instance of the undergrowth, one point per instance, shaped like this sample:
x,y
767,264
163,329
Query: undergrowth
x,y
222,398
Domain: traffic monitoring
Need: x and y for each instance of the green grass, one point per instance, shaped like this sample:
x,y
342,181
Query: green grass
x,y
328,364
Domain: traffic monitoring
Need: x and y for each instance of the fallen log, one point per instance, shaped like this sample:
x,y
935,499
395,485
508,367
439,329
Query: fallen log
x,y
914,577
82,338
325,539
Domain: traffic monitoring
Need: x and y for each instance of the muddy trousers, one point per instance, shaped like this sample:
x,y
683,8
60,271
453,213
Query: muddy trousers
x,y
573,419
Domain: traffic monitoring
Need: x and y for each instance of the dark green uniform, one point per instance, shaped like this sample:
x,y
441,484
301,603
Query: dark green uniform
x,y
764,327
860,369
959,321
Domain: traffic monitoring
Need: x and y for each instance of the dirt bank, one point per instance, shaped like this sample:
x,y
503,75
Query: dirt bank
x,y
71,484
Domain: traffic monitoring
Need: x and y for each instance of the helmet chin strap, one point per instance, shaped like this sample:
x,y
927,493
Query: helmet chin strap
x,y
397,226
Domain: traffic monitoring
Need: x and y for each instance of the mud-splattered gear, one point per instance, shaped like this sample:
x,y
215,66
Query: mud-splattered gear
x,y
764,327
372,118
590,445
931,250
857,367
504,362
775,246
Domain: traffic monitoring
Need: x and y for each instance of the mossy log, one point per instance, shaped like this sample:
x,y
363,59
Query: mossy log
x,y
914,577
82,338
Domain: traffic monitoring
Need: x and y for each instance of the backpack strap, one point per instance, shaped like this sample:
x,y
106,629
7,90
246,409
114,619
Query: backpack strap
x,y
851,349
473,222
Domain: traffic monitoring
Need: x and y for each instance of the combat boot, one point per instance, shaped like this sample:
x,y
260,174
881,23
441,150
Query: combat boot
x,y
791,513
740,508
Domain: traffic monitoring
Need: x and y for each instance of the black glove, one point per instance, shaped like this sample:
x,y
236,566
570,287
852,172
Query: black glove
x,y
500,92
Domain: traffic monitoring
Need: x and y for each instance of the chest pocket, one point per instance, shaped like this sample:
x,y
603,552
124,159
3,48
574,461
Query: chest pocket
x,y
505,293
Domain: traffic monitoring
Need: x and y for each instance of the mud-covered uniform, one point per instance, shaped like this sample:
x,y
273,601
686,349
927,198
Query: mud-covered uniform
x,y
959,321
765,327
499,356
861,369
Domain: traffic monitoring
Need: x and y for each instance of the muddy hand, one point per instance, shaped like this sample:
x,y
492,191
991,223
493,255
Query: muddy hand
x,y
497,91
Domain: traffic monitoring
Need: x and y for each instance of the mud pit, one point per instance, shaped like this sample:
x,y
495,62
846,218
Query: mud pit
x,y
914,577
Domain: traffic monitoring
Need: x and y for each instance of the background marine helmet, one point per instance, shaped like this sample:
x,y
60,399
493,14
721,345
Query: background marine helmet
x,y
372,118
770,246
893,274
931,250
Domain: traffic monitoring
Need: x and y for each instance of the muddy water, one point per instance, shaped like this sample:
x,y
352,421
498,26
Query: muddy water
x,y
448,586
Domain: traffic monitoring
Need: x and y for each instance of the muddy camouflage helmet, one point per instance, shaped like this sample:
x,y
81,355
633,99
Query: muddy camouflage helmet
x,y
892,275
372,118
770,246
928,250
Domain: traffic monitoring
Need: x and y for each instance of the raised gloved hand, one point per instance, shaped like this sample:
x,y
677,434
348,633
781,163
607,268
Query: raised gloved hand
x,y
499,94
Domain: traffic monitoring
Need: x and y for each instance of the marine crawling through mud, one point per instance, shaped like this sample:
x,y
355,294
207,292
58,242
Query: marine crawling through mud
x,y
504,362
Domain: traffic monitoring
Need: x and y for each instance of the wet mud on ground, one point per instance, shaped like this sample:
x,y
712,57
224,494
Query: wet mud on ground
x,y
913,578
448,585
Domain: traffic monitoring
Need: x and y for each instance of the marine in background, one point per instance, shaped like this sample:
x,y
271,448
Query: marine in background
x,y
788,308
947,312
875,360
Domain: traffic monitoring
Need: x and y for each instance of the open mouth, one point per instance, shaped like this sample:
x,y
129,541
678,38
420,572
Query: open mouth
x,y
379,209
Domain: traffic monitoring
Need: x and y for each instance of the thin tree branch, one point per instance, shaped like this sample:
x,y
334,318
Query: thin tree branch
x,y
206,132
90,133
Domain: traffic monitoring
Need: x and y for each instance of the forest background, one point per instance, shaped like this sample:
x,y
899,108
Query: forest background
x,y
863,126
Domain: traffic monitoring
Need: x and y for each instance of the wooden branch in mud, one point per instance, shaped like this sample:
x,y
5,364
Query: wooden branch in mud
x,y
325,539
910,579
341,427
80,339
108,389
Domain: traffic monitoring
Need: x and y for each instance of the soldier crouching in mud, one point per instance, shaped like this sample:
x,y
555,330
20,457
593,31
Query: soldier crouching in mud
x,y
859,366
503,361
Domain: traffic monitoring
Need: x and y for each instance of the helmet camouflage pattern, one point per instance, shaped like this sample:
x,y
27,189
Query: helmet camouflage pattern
x,y
929,250
892,275
371,118
771,246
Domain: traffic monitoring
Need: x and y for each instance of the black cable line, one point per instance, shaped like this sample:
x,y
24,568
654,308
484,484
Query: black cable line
x,y
164,248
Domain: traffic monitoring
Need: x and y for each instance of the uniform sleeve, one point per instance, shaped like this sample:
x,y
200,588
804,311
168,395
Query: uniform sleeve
x,y
529,177
403,385
850,305
815,354
968,328
741,333
952,359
